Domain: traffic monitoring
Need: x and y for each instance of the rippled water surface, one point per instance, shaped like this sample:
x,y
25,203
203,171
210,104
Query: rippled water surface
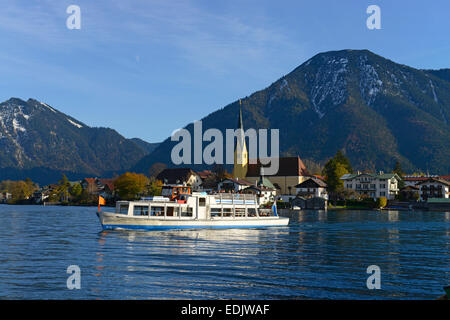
x,y
319,255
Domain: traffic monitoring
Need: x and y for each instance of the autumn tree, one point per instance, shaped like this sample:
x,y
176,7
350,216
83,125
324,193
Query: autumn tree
x,y
334,169
76,190
63,188
130,185
154,187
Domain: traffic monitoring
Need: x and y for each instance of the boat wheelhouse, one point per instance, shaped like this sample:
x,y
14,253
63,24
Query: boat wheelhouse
x,y
196,210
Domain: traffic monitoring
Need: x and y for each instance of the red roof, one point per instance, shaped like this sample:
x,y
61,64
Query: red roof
x,y
89,180
415,178
110,185
204,174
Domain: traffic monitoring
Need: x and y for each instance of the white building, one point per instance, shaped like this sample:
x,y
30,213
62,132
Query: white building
x,y
373,185
233,185
180,176
434,188
263,194
313,187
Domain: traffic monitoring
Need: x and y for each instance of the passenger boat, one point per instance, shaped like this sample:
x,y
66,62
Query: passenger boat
x,y
181,209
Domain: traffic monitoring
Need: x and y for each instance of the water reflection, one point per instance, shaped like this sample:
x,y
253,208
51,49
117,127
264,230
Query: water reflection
x,y
319,255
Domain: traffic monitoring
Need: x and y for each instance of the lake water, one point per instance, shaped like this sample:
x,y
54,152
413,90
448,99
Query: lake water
x,y
320,255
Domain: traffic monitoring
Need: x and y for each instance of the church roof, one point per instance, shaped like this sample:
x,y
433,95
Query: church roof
x,y
288,166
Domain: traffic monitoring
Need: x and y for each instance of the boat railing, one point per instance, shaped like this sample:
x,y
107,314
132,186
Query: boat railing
x,y
235,198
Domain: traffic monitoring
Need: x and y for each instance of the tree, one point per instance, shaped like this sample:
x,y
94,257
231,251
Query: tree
x,y
63,188
154,187
381,202
334,169
398,169
342,159
75,190
130,185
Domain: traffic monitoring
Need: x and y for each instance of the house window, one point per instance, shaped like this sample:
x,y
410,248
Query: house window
x,y
382,194
383,186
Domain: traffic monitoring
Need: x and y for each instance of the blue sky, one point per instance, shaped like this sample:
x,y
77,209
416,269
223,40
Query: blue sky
x,y
147,67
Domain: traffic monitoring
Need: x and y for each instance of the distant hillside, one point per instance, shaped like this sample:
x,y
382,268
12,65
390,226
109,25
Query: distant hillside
x,y
40,142
375,110
147,147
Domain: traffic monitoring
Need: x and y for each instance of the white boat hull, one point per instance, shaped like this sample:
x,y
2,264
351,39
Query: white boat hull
x,y
111,221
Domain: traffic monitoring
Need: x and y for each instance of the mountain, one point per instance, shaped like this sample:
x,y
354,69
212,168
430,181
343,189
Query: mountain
x,y
40,142
147,147
375,110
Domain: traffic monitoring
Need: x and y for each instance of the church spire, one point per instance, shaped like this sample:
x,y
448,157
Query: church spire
x,y
240,153
240,123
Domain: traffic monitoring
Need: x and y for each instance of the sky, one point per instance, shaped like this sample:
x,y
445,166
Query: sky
x,y
148,67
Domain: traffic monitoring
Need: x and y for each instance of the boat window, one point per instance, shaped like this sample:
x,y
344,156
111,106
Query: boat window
x,y
157,211
227,212
265,212
216,212
186,212
123,208
201,202
251,212
140,211
172,212
239,212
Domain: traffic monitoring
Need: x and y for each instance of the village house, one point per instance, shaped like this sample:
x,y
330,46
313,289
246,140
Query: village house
x,y
233,185
414,180
99,186
291,172
373,185
5,196
434,188
180,176
263,194
312,187
90,185
409,193
105,188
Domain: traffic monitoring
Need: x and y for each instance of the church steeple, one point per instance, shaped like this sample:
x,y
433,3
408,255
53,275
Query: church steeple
x,y
240,153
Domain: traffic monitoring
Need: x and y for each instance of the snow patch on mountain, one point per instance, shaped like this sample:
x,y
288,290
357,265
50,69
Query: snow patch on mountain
x,y
75,124
48,107
329,85
370,84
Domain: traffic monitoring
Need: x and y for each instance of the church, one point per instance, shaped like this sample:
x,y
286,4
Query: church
x,y
291,172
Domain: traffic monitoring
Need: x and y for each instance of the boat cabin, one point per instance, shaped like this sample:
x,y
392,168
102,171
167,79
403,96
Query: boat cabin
x,y
198,205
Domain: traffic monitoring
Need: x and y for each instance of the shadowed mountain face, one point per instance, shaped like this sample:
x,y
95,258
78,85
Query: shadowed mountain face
x,y
375,110
39,142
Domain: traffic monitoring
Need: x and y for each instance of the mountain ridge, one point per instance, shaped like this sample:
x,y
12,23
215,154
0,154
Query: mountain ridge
x,y
33,135
376,110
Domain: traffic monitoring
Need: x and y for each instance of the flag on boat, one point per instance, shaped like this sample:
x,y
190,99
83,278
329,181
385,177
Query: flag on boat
x,y
101,201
